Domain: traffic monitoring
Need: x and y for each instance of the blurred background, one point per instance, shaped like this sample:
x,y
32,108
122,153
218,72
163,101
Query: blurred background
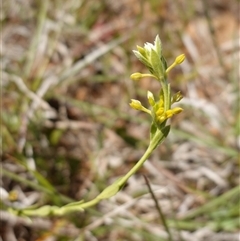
x,y
68,131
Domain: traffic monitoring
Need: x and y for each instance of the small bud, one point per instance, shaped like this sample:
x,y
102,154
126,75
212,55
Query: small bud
x,y
136,76
148,47
177,97
161,118
173,111
136,104
169,113
180,59
177,61
160,111
150,98
177,110
161,99
158,46
141,50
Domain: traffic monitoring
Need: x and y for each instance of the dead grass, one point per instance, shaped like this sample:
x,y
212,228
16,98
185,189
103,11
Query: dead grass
x,y
68,131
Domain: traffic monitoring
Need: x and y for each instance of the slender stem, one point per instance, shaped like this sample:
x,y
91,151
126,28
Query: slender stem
x,y
81,206
145,156
137,166
166,94
169,96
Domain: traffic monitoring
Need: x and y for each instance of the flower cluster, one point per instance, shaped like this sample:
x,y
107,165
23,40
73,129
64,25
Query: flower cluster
x,y
160,110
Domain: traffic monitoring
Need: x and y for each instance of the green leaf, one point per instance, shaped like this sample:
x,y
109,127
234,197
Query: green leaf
x,y
74,203
121,182
158,45
40,212
156,64
153,130
164,63
162,125
159,136
43,181
166,130
109,191
142,51
144,60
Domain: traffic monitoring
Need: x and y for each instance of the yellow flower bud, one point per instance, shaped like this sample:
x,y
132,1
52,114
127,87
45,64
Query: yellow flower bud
x,y
161,118
177,110
180,59
161,103
136,76
174,111
136,104
169,113
160,111
177,61
151,98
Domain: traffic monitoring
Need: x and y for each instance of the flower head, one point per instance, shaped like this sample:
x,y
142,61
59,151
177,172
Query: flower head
x,y
160,109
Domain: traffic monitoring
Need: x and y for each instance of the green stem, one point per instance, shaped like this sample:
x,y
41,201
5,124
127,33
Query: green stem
x,y
166,94
137,166
76,207
153,144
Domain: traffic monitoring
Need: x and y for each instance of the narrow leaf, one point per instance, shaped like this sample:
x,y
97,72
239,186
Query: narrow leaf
x,y
109,191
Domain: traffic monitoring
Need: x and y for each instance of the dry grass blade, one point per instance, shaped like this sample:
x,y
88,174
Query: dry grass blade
x,y
158,207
